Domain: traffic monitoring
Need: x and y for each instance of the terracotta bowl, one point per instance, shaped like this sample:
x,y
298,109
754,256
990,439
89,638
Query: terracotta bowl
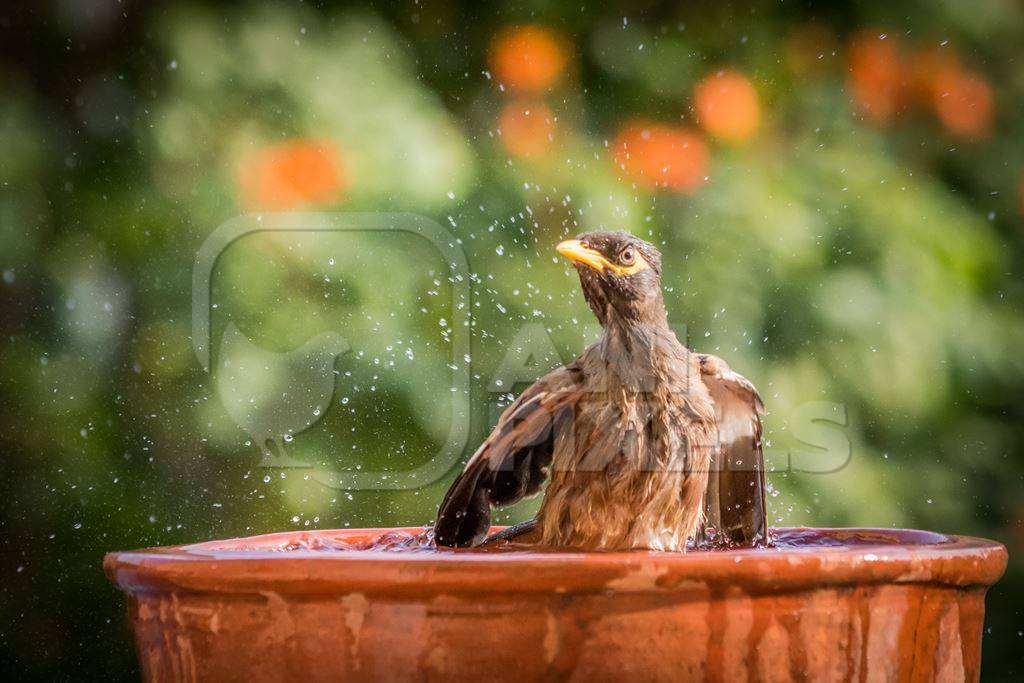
x,y
826,604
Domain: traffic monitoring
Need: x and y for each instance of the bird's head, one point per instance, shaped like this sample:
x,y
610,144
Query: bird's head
x,y
620,275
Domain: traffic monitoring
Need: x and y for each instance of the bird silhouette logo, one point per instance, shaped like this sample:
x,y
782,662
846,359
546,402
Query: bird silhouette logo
x,y
274,396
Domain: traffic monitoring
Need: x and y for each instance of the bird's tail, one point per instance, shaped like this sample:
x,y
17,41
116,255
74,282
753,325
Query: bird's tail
x,y
465,513
734,501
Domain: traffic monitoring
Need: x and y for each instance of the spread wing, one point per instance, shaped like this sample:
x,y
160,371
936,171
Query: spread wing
x,y
734,502
513,462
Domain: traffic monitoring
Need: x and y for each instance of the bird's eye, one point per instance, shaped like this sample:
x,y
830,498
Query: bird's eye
x,y
627,256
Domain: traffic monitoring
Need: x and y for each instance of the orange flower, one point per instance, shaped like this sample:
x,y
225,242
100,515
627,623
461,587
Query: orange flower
x,y
291,174
727,105
527,128
528,57
936,78
876,75
657,155
963,101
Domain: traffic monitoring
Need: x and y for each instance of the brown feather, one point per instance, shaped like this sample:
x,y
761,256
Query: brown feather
x,y
631,472
735,507
512,463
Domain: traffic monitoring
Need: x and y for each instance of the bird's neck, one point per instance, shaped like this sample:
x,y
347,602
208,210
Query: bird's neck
x,y
637,323
635,352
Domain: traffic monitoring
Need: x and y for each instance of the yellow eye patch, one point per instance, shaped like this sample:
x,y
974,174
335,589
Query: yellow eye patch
x,y
638,264
577,252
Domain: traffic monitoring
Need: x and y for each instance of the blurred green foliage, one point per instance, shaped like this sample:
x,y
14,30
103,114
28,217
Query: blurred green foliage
x,y
834,254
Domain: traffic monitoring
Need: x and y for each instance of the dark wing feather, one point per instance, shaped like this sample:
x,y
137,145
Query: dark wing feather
x,y
734,502
513,462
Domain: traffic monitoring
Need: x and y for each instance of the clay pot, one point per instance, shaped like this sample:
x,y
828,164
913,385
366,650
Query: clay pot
x,y
840,604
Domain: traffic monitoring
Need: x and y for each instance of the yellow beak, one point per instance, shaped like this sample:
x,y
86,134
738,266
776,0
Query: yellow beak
x,y
575,251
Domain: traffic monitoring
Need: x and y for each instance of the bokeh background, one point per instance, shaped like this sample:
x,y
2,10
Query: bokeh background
x,y
838,190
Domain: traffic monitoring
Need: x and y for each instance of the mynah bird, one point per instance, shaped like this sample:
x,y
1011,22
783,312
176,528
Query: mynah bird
x,y
647,445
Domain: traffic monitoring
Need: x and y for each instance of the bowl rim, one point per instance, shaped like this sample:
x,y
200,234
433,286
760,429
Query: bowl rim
x,y
257,565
